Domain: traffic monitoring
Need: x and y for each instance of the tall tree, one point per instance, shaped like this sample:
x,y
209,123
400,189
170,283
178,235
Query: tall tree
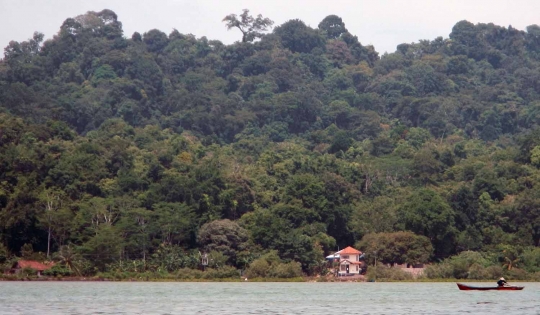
x,y
52,201
333,26
426,213
250,27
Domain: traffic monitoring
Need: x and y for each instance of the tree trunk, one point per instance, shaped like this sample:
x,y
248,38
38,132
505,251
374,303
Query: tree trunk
x,y
49,241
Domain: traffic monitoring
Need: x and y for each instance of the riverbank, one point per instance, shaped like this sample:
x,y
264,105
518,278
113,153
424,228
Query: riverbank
x,y
147,279
297,279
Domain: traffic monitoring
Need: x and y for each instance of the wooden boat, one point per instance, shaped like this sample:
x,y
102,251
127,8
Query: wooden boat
x,y
462,286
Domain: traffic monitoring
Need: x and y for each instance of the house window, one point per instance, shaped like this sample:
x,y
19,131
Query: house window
x,y
345,257
356,267
343,267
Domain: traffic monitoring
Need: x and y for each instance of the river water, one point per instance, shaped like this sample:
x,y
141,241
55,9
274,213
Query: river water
x,y
261,298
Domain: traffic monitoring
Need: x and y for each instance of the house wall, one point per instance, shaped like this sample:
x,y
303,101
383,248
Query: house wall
x,y
350,257
352,268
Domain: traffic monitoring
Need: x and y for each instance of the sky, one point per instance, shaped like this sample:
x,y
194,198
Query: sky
x,y
382,23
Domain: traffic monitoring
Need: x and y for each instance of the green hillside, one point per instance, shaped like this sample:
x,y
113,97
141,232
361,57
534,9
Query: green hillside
x,y
148,149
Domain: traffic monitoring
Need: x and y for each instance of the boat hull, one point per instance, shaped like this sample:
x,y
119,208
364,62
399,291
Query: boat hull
x,y
465,287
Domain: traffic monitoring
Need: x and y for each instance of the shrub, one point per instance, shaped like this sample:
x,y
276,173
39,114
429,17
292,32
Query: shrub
x,y
286,270
27,272
58,270
460,268
530,259
516,274
535,276
439,271
258,268
383,272
221,273
187,273
494,272
478,272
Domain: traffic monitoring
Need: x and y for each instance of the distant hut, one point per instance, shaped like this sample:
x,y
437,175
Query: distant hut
x,y
30,264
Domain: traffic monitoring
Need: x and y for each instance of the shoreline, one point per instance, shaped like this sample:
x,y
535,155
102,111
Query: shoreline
x,y
305,279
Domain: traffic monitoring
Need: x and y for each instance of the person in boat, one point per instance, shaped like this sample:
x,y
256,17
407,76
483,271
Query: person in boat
x,y
501,282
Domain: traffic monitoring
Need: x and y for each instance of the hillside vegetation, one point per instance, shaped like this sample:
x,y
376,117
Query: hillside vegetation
x,y
140,152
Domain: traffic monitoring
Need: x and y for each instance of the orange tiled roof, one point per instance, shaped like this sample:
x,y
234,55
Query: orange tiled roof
x,y
349,251
34,265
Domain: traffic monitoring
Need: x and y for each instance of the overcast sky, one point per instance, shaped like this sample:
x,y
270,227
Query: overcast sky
x,y
382,23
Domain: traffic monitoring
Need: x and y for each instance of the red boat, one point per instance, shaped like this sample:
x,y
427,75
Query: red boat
x,y
462,286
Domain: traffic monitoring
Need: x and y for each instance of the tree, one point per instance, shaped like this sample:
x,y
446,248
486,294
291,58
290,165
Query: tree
x,y
175,221
155,40
396,248
105,247
298,37
426,213
333,26
224,236
250,27
52,200
342,142
527,216
426,165
376,216
70,258
535,156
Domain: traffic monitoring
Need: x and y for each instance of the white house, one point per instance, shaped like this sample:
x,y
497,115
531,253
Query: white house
x,y
349,261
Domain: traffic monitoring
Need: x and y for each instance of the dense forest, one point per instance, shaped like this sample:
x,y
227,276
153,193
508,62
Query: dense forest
x,y
142,152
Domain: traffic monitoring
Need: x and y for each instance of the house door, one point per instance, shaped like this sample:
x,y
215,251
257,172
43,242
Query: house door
x,y
347,268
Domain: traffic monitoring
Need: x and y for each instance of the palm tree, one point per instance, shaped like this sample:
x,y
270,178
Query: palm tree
x,y
509,263
511,258
69,258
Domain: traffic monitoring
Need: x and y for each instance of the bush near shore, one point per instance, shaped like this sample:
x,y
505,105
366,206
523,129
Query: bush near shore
x,y
466,266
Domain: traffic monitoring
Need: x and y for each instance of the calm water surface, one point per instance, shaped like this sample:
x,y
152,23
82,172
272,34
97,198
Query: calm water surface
x,y
261,298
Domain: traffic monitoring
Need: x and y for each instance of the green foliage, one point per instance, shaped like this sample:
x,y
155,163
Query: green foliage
x,y
127,155
69,262
384,273
416,137
535,156
223,236
155,40
426,213
250,27
342,142
298,37
103,73
4,254
270,265
474,266
333,26
258,268
396,248
58,271
291,269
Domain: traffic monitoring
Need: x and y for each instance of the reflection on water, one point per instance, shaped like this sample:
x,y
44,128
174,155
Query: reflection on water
x,y
260,298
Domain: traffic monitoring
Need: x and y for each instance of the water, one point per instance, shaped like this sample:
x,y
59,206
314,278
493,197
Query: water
x,y
261,298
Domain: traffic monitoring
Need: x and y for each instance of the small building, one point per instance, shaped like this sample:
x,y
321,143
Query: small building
x,y
333,257
350,262
30,264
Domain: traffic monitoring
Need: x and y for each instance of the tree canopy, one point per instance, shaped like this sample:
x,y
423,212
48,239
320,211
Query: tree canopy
x,y
155,148
250,27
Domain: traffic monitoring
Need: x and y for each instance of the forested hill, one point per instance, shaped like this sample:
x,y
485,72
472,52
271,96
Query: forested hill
x,y
139,147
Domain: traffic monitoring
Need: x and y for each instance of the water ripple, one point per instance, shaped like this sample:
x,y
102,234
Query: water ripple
x,y
260,298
